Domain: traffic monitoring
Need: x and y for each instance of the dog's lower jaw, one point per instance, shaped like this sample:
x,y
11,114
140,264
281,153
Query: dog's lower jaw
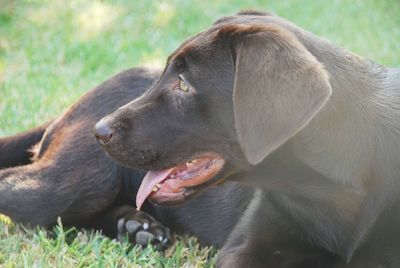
x,y
173,184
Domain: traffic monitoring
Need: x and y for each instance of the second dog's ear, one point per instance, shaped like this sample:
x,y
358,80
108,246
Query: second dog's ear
x,y
279,87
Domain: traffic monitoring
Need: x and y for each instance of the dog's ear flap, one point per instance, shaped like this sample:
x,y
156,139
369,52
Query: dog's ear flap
x,y
279,87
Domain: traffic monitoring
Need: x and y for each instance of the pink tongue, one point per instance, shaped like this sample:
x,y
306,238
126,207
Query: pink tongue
x,y
149,182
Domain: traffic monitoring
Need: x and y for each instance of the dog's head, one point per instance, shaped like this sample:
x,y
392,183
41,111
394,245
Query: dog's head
x,y
227,98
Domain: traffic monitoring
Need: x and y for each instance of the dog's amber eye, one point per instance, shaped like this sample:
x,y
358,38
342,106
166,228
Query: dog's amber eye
x,y
183,85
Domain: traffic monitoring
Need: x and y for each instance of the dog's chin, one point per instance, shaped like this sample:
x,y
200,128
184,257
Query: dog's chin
x,y
177,183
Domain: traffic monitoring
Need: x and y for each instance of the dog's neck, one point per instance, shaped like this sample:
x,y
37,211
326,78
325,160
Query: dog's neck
x,y
346,140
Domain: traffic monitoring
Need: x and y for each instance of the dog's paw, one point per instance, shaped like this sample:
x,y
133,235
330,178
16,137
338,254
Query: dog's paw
x,y
142,229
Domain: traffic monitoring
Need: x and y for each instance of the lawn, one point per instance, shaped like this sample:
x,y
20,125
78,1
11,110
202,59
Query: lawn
x,y
51,52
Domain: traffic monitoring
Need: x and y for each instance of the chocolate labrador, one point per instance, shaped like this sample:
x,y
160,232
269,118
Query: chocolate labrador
x,y
58,170
315,128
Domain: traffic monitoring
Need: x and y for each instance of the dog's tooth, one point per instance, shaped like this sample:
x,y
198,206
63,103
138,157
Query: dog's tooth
x,y
156,188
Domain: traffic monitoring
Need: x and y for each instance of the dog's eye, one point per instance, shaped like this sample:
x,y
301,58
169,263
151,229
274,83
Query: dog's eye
x,y
183,85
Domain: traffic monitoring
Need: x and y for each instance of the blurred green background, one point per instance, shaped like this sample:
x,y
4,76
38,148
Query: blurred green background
x,y
51,52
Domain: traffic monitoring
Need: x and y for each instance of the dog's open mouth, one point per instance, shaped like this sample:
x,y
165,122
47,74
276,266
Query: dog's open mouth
x,y
170,185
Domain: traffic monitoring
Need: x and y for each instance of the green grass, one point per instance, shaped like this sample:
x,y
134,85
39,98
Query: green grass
x,y
53,51
22,247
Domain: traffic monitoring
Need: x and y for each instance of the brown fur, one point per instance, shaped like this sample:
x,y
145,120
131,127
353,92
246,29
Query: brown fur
x,y
312,125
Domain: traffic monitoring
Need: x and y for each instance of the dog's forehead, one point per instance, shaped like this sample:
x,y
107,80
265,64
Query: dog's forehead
x,y
198,42
204,40
195,43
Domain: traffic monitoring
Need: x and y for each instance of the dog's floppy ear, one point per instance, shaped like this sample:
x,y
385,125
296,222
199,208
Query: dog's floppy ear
x,y
279,87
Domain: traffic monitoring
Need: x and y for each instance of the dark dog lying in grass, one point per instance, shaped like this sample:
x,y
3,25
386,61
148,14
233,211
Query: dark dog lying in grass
x,y
59,169
326,196
257,99
67,174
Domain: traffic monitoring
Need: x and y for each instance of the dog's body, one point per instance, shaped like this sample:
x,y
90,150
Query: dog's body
x,y
316,127
67,174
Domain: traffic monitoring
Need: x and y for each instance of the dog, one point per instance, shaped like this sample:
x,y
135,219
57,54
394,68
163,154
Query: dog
x,y
258,100
59,170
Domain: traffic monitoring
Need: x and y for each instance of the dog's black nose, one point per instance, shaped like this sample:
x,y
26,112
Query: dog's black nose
x,y
102,132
